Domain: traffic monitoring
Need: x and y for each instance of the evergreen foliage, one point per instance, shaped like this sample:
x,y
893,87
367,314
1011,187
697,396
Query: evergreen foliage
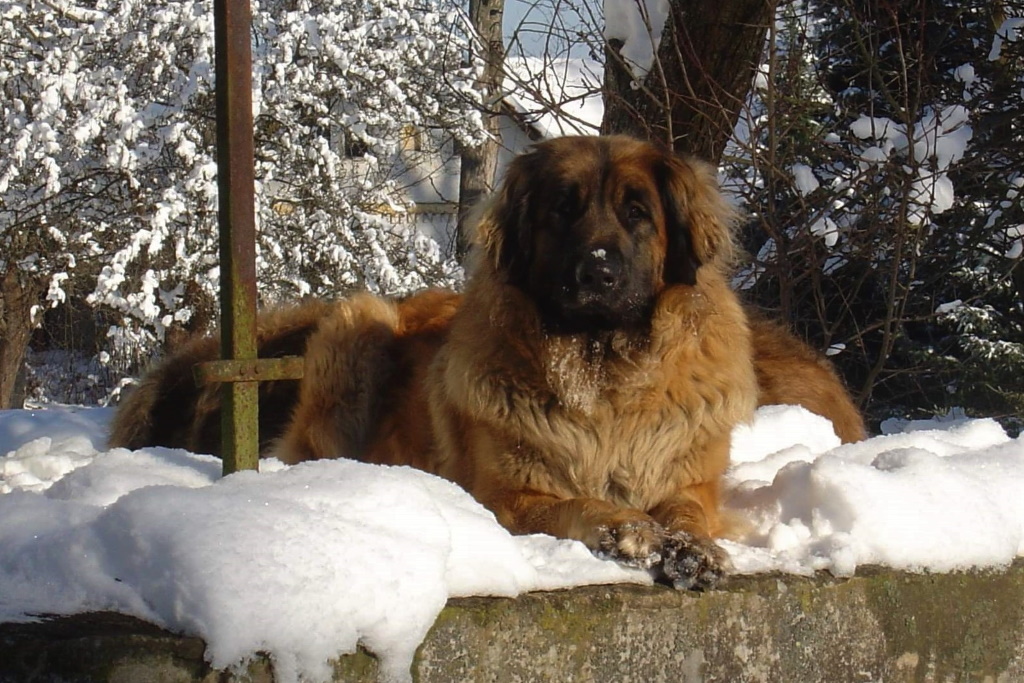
x,y
882,170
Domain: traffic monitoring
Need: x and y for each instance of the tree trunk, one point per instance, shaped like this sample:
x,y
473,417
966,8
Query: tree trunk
x,y
18,294
476,178
692,96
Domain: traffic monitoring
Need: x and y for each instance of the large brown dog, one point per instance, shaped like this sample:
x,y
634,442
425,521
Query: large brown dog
x,y
585,385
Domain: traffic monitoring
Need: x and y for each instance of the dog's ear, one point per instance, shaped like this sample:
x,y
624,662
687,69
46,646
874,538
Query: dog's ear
x,y
698,220
504,226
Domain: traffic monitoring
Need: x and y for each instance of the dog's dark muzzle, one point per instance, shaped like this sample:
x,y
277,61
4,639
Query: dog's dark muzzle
x,y
598,292
599,277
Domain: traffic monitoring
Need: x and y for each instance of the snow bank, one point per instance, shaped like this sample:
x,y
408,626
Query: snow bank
x,y
306,562
930,496
303,562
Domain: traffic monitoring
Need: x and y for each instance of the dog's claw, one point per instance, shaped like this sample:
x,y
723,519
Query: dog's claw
x,y
633,544
679,558
691,563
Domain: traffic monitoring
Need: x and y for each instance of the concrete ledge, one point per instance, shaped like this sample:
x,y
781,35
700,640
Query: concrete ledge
x,y
880,625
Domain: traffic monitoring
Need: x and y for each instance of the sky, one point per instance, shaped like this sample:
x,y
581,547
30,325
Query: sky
x,y
554,27
532,23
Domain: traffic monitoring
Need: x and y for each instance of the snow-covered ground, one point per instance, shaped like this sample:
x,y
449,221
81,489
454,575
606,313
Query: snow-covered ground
x,y
306,562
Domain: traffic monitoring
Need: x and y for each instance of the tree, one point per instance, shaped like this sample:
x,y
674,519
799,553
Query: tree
x,y
880,164
479,162
106,153
19,292
680,70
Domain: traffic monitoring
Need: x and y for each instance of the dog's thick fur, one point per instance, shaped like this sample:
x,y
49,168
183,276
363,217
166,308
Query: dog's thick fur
x,y
585,384
791,372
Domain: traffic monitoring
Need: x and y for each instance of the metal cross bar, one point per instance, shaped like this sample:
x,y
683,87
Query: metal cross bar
x,y
240,370
288,367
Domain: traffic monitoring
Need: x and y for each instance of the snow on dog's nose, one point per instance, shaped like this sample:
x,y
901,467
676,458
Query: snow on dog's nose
x,y
599,272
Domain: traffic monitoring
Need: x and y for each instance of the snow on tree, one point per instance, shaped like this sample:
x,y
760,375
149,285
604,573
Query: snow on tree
x,y
678,71
880,159
107,172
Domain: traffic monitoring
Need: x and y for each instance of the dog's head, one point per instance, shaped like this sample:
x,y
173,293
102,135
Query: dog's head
x,y
593,229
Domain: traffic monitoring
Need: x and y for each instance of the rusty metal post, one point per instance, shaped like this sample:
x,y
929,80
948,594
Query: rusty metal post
x,y
235,176
239,369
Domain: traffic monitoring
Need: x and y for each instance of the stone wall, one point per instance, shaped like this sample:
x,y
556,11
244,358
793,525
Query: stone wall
x,y
879,626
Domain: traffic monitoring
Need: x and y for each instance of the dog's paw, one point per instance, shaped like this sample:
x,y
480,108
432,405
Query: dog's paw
x,y
685,561
692,563
634,544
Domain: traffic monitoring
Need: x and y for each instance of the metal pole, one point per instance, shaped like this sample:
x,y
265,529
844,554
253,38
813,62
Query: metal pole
x,y
239,369
235,176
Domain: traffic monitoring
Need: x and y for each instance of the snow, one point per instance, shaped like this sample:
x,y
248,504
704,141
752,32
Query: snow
x,y
307,562
105,129
827,229
1015,236
804,178
835,349
1008,31
639,25
965,74
929,496
937,142
949,306
878,127
303,562
556,96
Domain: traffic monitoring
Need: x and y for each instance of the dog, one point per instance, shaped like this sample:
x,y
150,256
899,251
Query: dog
x,y
789,372
584,385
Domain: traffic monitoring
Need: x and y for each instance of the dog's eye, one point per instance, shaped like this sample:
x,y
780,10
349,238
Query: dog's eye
x,y
566,204
565,200
636,213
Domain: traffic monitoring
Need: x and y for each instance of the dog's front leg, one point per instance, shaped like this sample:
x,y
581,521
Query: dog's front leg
x,y
681,553
690,558
624,534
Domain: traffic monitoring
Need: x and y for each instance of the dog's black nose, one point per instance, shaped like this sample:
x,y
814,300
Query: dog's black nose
x,y
600,270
